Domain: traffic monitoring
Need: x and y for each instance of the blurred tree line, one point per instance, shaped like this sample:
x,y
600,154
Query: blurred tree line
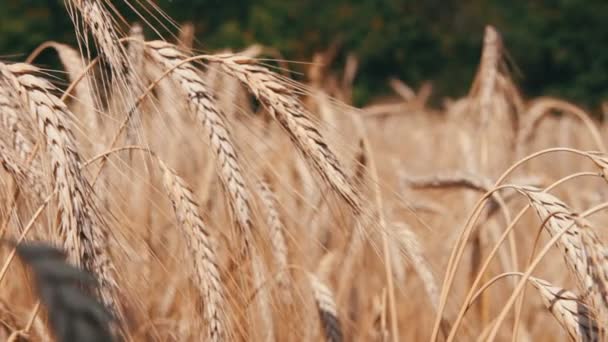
x,y
558,47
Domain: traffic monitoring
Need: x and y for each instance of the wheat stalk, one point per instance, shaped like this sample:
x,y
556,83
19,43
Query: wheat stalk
x,y
540,108
28,178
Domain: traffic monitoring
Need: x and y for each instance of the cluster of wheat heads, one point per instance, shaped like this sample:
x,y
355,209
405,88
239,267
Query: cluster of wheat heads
x,y
214,198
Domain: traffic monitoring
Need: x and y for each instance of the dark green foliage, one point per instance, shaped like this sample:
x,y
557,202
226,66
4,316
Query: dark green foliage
x,y
559,47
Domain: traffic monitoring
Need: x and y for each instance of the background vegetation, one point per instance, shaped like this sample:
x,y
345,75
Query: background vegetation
x,y
557,47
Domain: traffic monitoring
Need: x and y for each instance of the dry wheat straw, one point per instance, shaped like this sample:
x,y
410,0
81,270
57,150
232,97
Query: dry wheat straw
x,y
84,239
210,116
19,149
8,321
202,250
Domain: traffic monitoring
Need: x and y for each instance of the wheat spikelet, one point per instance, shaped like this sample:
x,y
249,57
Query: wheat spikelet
x,y
277,239
28,178
283,104
17,128
581,247
19,148
326,306
202,251
203,104
84,239
571,314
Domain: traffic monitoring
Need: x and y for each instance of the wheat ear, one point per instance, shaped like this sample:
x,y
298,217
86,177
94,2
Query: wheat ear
x,y
262,297
74,65
84,239
210,116
17,128
571,314
202,250
409,245
277,239
100,22
581,247
283,104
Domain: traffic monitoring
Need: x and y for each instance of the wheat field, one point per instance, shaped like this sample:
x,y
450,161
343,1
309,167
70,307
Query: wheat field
x,y
216,198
